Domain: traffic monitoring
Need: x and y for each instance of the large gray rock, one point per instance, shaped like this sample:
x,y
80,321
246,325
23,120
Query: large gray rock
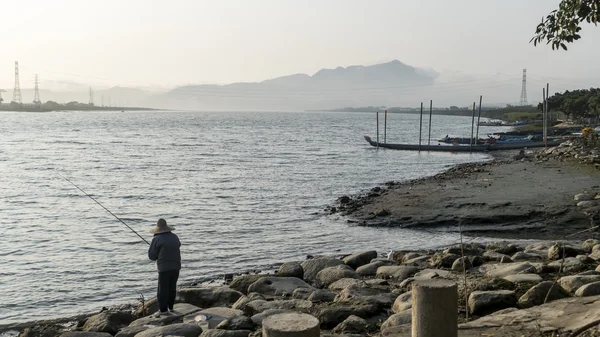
x,y
303,293
525,256
206,297
428,274
589,244
572,283
179,330
402,302
441,260
498,257
225,333
237,323
567,265
360,259
536,295
258,306
331,274
147,307
242,282
371,268
260,317
85,334
396,272
523,278
380,296
501,247
322,295
157,321
107,321
313,266
401,318
333,314
291,269
590,289
462,263
352,325
505,269
278,286
558,251
343,283
485,302
131,331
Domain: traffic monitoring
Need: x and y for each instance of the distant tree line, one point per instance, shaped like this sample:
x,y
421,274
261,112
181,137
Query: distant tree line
x,y
576,104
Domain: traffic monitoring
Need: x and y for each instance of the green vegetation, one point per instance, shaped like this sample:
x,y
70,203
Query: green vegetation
x,y
576,104
564,24
521,116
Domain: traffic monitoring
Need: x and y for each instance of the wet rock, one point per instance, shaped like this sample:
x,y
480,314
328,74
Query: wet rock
x,y
237,323
559,251
505,248
331,274
360,259
345,282
322,295
241,283
523,256
366,295
590,289
206,297
523,278
291,269
502,270
537,294
569,265
461,264
440,260
313,266
401,318
277,286
589,244
572,283
402,302
485,302
108,321
396,272
352,325
180,330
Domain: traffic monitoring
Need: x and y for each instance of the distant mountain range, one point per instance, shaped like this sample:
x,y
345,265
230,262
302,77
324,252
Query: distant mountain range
x,y
387,84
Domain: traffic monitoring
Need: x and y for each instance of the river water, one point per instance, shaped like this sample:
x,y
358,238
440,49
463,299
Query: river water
x,y
243,189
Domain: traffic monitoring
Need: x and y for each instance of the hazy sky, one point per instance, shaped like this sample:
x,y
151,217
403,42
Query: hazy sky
x,y
167,43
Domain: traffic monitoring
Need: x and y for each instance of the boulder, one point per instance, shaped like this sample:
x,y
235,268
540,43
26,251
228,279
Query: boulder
x,y
278,286
572,283
237,323
410,256
367,295
241,303
260,317
206,297
402,302
157,321
370,269
258,306
590,289
505,269
495,256
557,251
343,283
401,318
428,274
523,278
485,302
583,197
589,244
441,260
302,293
587,204
352,325
224,312
501,247
584,258
462,263
486,284
225,333
539,246
313,266
108,321
569,265
466,249
85,334
179,330
524,256
149,307
537,294
131,331
322,295
242,282
418,261
291,269
360,259
332,314
396,272
476,260
331,274
291,324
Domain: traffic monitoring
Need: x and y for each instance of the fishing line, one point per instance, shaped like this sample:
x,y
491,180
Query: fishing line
x,y
111,213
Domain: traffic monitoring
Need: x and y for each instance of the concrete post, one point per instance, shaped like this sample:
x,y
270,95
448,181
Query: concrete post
x,y
434,308
291,325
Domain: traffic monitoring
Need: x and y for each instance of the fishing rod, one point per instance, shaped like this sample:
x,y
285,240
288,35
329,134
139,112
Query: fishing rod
x,y
111,213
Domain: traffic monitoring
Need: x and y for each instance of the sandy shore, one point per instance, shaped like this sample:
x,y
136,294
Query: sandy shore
x,y
524,199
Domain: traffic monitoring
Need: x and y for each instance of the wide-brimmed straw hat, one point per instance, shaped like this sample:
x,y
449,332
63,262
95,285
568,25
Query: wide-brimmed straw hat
x,y
161,227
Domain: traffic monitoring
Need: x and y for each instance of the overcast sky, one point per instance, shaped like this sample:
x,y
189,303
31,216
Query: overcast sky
x,y
168,43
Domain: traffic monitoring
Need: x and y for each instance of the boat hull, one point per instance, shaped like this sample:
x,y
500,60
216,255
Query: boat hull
x,y
464,148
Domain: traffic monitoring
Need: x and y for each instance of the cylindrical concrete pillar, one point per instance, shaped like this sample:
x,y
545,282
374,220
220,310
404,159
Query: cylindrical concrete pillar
x,y
434,308
291,325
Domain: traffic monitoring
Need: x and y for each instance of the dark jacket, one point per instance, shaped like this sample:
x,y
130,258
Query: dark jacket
x,y
164,249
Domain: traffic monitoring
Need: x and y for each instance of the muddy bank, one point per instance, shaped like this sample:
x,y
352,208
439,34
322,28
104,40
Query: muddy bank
x,y
524,198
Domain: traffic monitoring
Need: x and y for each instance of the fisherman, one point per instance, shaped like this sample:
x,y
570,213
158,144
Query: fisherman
x,y
164,249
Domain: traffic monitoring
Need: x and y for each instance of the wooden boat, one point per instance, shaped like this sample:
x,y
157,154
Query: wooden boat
x,y
465,148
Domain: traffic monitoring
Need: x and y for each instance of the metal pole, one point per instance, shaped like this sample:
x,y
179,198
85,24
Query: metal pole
x,y
420,126
385,127
544,114
430,111
377,118
547,95
478,118
472,129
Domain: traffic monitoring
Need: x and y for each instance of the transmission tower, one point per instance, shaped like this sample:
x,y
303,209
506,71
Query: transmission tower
x,y
36,92
91,97
17,91
523,101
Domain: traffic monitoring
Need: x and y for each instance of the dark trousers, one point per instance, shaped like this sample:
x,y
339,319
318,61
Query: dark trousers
x,y
167,289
